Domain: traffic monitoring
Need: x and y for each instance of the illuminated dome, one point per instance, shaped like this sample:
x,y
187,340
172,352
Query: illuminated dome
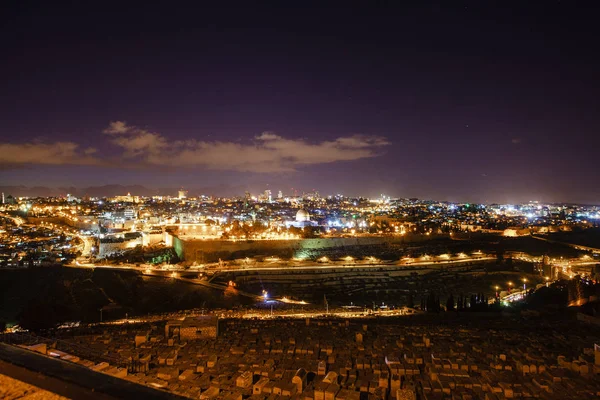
x,y
302,216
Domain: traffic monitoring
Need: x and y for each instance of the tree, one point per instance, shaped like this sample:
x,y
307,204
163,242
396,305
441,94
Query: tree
x,y
500,254
450,303
433,303
295,231
37,315
308,232
410,303
460,303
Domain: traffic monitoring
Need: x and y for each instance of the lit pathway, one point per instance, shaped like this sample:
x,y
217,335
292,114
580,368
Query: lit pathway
x,y
575,246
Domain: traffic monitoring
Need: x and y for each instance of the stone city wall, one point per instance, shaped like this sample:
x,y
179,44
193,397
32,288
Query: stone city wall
x,y
107,248
88,226
212,250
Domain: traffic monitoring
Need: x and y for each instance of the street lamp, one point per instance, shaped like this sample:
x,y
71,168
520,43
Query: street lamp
x,y
524,283
509,286
497,287
547,279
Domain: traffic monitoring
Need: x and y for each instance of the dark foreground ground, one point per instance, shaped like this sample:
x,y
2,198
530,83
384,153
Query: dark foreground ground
x,y
69,294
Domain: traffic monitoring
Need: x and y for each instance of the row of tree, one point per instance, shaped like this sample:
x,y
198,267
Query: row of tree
x,y
432,303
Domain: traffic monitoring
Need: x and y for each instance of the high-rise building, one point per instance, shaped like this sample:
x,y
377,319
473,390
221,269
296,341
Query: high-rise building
x,y
280,195
182,194
129,213
268,196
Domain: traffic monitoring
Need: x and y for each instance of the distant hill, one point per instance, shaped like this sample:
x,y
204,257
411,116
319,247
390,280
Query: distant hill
x,y
115,190
94,191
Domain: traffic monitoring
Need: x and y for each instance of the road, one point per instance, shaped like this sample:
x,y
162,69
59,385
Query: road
x,y
218,287
514,296
175,272
16,220
87,241
338,314
88,244
43,387
69,379
424,263
575,246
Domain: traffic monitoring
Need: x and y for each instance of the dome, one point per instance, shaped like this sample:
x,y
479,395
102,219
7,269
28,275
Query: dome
x,y
302,216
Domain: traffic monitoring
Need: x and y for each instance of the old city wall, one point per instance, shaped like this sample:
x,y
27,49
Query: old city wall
x,y
108,248
47,220
207,250
63,221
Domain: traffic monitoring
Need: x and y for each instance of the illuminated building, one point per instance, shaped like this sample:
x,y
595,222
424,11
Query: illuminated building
x,y
267,195
302,220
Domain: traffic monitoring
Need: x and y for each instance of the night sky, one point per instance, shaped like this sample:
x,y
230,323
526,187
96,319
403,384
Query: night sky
x,y
461,101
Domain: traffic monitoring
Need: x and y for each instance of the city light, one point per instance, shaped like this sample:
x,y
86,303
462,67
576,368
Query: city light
x,y
312,202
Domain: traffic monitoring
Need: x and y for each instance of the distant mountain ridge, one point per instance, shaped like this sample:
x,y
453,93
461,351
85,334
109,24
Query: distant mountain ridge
x,y
115,190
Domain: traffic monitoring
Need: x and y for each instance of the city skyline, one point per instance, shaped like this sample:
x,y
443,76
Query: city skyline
x,y
464,102
237,192
299,200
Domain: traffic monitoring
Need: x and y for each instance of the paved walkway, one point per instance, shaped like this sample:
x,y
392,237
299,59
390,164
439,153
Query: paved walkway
x,y
71,380
12,389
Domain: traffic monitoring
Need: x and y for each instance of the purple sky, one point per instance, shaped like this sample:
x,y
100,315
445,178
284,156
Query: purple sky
x,y
460,102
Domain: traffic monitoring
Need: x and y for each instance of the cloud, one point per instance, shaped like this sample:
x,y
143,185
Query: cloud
x,y
362,141
266,153
57,153
135,141
516,140
117,127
